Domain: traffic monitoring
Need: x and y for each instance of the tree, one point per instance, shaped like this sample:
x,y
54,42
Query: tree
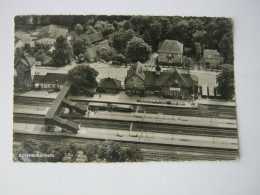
x,y
105,54
197,51
78,29
79,46
89,29
226,48
156,34
62,52
112,152
18,54
105,27
91,152
225,81
120,39
134,154
137,50
119,58
59,153
28,147
82,77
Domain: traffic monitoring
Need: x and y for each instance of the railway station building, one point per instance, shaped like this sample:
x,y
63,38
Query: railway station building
x,y
168,84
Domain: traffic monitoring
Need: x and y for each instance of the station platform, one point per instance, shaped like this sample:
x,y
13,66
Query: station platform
x,y
133,136
142,117
164,119
39,110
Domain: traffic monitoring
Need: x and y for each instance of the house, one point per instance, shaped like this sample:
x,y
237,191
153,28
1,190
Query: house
x,y
93,52
212,59
109,85
170,52
46,41
22,38
94,38
25,70
49,81
170,84
51,31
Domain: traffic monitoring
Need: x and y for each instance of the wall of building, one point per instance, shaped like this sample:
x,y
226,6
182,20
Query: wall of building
x,y
107,90
212,62
48,86
183,93
169,58
135,82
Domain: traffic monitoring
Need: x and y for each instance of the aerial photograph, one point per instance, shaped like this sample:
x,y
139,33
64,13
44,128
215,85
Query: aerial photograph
x,y
123,88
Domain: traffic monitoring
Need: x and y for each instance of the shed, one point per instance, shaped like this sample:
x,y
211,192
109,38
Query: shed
x,y
109,85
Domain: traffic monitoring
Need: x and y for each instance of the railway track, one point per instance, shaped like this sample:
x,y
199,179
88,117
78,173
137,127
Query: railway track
x,y
137,126
33,101
152,152
28,118
208,111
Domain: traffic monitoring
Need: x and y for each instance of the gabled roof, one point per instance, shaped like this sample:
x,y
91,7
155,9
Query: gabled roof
x,y
170,46
136,69
26,60
93,38
92,51
151,79
109,83
211,54
190,80
52,31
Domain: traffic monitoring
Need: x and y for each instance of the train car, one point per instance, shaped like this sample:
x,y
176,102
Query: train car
x,y
97,106
121,107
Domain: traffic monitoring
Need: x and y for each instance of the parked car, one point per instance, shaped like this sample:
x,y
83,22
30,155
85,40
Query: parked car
x,y
116,63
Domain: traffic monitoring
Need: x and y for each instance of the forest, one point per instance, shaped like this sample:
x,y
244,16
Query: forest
x,y
126,33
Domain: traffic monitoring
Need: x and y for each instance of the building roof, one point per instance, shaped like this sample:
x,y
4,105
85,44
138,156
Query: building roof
x,y
109,83
170,46
54,78
38,78
26,60
136,69
48,40
191,80
52,31
92,51
152,79
93,38
211,54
